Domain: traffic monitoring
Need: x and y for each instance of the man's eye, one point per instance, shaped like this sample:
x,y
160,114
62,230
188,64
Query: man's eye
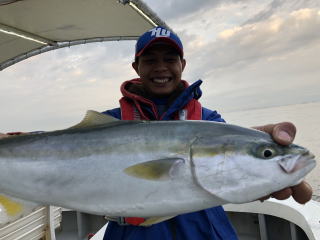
x,y
149,61
171,60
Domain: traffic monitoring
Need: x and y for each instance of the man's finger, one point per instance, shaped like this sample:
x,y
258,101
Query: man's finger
x,y
265,128
283,133
282,194
264,198
302,192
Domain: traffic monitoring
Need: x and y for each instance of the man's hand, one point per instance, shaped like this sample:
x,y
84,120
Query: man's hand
x,y
284,133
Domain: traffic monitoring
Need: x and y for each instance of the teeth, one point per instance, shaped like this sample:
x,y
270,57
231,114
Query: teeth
x,y
160,80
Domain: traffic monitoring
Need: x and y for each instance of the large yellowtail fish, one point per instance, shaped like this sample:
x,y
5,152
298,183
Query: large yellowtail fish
x,y
110,167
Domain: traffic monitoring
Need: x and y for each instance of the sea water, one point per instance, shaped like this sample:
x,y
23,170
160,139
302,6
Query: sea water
x,y
306,118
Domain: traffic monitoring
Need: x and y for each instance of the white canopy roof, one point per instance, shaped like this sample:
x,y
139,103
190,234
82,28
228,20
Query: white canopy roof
x,y
30,27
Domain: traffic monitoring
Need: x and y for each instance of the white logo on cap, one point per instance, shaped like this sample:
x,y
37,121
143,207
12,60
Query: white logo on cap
x,y
160,32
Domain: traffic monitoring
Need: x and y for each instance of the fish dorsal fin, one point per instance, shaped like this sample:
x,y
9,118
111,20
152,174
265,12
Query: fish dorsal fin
x,y
94,118
160,169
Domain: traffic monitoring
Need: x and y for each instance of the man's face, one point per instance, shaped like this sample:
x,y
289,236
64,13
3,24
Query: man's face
x,y
160,68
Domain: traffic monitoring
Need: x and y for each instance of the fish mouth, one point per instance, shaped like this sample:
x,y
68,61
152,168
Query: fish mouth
x,y
291,164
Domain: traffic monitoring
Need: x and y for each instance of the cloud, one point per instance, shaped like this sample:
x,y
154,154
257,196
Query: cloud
x,y
282,7
179,10
199,31
269,63
174,9
273,37
56,88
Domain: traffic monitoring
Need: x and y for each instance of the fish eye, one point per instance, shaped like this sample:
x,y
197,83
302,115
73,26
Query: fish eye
x,y
268,153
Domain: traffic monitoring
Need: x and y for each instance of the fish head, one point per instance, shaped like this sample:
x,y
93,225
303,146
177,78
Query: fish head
x,y
239,169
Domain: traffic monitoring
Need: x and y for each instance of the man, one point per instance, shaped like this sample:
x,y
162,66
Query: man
x,y
160,94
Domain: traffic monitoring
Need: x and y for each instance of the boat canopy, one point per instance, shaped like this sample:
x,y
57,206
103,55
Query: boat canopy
x,y
31,27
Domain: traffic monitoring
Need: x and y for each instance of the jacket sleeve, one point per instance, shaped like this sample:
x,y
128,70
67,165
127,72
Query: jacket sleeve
x,y
116,112
210,115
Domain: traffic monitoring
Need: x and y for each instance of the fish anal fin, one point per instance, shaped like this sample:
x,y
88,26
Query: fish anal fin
x,y
161,169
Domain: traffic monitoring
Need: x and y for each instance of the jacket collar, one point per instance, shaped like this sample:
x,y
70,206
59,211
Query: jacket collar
x,y
133,90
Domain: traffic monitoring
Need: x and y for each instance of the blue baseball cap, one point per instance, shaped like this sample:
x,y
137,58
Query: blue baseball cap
x,y
158,34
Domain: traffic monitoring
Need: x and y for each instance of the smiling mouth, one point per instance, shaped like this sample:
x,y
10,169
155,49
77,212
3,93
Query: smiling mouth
x,y
161,80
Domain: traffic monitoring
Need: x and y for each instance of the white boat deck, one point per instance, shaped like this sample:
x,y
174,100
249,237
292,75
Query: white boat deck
x,y
306,217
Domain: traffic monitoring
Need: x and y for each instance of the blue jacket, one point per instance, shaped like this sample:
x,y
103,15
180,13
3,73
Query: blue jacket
x,y
207,224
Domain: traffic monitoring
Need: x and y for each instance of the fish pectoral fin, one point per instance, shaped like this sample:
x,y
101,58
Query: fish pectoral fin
x,y
94,118
161,169
153,220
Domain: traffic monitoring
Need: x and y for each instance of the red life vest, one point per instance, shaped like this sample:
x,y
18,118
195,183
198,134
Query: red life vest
x,y
131,109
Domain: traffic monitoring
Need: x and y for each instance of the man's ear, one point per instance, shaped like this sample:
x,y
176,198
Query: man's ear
x,y
135,67
183,62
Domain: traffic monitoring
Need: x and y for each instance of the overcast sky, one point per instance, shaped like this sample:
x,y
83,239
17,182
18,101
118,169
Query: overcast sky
x,y
250,54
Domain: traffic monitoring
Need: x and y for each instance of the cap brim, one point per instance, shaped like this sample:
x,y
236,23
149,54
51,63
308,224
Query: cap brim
x,y
161,40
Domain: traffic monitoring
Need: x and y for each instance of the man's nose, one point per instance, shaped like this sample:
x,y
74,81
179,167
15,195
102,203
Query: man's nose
x,y
161,65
